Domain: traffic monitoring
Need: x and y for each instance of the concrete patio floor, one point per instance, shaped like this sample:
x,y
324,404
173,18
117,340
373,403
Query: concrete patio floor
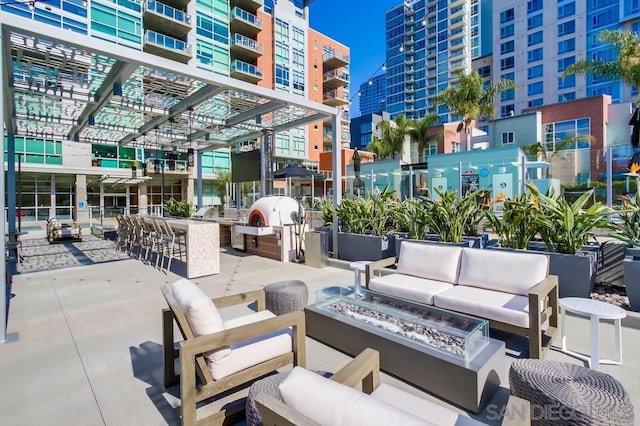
x,y
84,344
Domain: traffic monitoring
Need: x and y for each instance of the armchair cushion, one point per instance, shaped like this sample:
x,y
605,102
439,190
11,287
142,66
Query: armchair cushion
x,y
434,261
331,403
201,313
409,287
506,271
490,304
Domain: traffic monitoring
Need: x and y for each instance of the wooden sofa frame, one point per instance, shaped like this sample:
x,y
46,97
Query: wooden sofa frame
x,y
192,348
543,306
364,370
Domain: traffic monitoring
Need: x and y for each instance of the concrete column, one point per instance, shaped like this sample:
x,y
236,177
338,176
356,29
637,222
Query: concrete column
x,y
127,200
82,214
52,197
199,179
187,190
143,198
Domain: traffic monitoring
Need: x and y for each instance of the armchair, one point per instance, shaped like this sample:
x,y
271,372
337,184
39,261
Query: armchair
x,y
224,354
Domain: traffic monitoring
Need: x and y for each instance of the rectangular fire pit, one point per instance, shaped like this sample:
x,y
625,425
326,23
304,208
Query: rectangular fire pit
x,y
443,352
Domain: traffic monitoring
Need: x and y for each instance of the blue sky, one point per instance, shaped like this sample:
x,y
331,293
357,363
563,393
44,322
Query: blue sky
x,y
359,25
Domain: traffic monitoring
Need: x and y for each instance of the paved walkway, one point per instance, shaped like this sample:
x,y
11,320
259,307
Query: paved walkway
x,y
85,341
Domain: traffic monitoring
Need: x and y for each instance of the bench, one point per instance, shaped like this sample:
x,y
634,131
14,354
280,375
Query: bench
x,y
512,290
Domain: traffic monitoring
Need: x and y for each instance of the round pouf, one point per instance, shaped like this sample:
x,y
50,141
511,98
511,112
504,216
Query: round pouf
x,y
569,393
268,385
286,296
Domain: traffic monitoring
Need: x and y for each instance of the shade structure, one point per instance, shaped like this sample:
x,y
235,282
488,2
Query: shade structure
x,y
295,171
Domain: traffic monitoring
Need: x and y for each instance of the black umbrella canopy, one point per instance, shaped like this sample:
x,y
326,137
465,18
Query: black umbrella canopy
x,y
295,171
635,122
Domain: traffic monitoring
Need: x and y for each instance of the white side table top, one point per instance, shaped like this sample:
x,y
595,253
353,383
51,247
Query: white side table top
x,y
360,265
590,307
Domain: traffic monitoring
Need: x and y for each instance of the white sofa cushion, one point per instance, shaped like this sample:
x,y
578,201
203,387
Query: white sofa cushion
x,y
505,271
201,313
438,262
489,304
409,287
419,407
333,404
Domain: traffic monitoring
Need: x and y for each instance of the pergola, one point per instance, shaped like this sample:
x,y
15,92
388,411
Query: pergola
x,y
62,85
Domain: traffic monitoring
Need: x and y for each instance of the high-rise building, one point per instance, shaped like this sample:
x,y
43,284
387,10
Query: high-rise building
x,y
427,42
262,42
373,95
364,128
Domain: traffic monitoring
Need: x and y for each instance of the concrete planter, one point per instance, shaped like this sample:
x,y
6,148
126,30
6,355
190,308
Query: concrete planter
x,y
631,267
329,231
576,272
354,247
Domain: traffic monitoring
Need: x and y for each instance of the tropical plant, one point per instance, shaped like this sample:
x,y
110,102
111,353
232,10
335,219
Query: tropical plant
x,y
379,149
626,65
327,209
451,216
628,230
422,133
540,152
566,226
220,185
367,215
470,99
517,224
393,134
173,207
411,217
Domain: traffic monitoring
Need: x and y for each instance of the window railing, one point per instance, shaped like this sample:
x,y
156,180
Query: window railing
x,y
168,11
246,68
245,16
249,43
167,42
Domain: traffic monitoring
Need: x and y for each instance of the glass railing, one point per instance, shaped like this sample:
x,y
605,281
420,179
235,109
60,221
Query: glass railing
x,y
336,74
333,94
246,68
167,42
249,43
247,17
168,11
329,55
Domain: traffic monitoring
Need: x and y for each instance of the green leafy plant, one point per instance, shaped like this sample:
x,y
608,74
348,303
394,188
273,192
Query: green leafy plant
x,y
411,217
628,230
327,209
517,225
177,208
566,226
451,216
367,215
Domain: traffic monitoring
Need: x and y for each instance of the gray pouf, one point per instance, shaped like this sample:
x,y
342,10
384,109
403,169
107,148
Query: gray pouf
x,y
569,394
284,297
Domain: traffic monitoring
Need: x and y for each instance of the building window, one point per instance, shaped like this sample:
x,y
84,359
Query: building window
x,y
566,28
569,96
566,82
566,46
507,15
535,72
565,10
508,95
507,137
507,110
535,38
535,55
534,21
534,5
535,103
455,146
565,62
507,47
507,31
507,63
484,71
535,88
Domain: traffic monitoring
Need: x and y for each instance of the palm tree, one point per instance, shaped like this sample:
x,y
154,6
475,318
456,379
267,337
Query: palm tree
x,y
393,134
626,66
422,134
471,98
378,148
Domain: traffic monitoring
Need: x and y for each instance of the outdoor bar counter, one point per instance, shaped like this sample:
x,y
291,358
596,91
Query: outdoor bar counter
x,y
202,246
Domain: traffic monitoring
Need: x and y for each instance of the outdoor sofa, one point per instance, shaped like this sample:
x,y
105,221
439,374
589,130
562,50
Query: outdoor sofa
x,y
512,290
307,398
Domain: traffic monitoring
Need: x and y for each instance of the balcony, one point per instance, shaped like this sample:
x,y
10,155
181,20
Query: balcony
x,y
456,11
249,5
457,22
409,41
409,61
410,90
244,22
335,78
409,71
334,98
170,20
409,80
245,71
333,60
409,22
166,47
455,3
245,48
408,12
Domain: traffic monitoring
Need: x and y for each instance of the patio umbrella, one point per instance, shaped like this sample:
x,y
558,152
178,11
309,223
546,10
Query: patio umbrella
x,y
293,171
357,183
635,122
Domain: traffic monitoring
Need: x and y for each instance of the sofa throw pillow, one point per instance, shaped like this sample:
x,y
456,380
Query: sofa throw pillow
x,y
201,313
331,403
438,262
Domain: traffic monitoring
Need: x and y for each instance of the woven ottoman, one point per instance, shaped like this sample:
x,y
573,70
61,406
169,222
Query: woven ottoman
x,y
284,297
570,394
268,385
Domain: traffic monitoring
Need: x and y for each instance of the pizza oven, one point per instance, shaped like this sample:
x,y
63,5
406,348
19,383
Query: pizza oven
x,y
274,211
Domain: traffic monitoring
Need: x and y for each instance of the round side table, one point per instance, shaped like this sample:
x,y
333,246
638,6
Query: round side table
x,y
595,310
358,267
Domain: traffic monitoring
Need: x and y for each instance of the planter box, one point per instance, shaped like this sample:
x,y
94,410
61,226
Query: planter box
x,y
329,231
576,272
354,247
631,266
